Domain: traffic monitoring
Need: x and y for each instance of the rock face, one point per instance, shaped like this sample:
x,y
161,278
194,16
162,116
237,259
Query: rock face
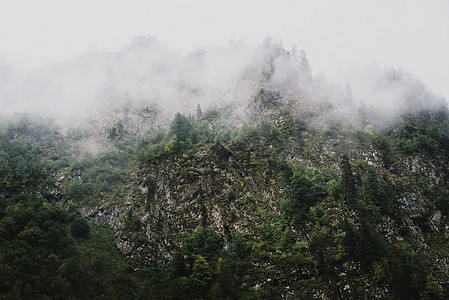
x,y
379,184
281,186
234,189
211,188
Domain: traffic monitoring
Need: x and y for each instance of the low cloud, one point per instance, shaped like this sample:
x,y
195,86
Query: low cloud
x,y
147,71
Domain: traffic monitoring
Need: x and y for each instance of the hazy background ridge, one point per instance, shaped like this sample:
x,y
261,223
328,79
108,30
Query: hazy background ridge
x,y
412,34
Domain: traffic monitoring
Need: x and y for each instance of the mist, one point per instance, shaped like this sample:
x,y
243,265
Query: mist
x,y
148,73
144,71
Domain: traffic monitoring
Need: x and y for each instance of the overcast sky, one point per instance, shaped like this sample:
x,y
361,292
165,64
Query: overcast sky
x,y
413,34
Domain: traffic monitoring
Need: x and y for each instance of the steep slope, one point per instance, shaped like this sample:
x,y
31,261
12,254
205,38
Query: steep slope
x,y
284,184
285,187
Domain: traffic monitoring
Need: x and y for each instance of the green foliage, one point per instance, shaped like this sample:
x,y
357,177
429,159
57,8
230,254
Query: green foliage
x,y
339,237
107,173
116,132
424,132
80,228
230,194
439,195
307,187
29,154
405,271
185,135
327,248
335,127
192,265
442,200
384,146
204,242
201,275
378,194
151,152
42,259
266,99
79,191
199,112
265,132
184,132
280,163
77,134
211,115
232,269
49,252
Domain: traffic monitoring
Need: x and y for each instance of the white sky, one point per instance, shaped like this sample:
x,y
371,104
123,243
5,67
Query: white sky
x,y
413,34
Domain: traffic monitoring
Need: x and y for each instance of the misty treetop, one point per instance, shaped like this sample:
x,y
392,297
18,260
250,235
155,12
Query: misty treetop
x,y
147,71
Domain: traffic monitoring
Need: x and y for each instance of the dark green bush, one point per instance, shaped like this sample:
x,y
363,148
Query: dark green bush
x,y
80,228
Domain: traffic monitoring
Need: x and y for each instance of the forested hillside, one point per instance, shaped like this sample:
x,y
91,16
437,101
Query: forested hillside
x,y
290,189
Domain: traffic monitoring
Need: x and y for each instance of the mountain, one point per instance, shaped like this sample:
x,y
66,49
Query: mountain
x,y
226,174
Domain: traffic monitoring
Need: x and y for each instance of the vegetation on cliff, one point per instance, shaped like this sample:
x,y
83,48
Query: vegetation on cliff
x,y
286,195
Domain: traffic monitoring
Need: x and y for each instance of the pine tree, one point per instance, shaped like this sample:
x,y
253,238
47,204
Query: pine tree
x,y
202,275
199,113
304,68
373,192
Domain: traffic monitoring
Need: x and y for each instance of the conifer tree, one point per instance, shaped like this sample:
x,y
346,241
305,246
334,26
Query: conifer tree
x,y
199,113
202,275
